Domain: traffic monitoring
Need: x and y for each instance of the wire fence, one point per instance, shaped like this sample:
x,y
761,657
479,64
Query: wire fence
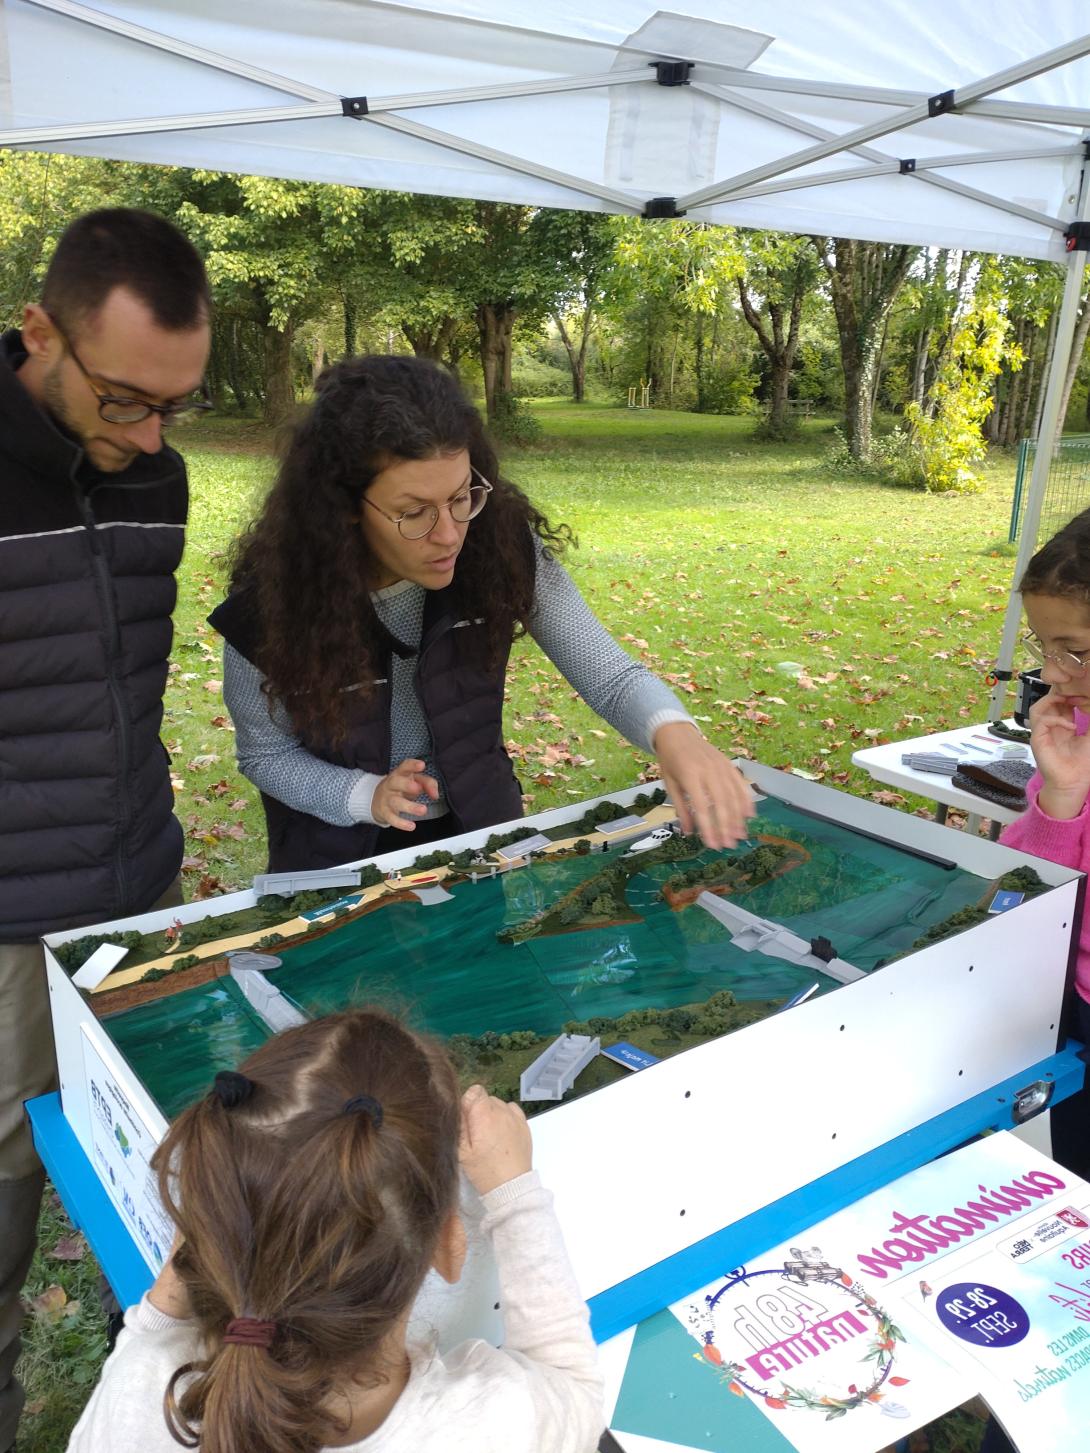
x,y
1067,491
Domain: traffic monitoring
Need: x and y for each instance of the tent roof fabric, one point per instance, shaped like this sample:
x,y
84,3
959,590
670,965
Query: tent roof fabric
x,y
828,119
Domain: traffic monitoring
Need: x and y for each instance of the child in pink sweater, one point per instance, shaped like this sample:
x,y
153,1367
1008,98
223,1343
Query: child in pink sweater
x,y
1056,596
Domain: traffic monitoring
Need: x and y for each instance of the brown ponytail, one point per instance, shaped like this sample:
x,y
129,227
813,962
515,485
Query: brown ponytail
x,y
312,1201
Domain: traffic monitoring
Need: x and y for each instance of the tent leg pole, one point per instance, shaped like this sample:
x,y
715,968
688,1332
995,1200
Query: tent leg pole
x,y
1051,424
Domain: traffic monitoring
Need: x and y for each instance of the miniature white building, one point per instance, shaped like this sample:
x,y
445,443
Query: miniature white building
x,y
286,885
248,972
553,1073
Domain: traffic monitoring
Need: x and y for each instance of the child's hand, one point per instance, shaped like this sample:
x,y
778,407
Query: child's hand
x,y
1062,757
495,1146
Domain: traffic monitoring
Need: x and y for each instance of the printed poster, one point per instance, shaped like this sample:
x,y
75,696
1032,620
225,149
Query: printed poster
x,y
123,1146
968,1276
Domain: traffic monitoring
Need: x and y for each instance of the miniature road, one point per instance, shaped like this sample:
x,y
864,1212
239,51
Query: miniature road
x,y
295,927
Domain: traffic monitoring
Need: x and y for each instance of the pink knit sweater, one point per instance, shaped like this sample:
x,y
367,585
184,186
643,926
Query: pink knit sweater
x,y
1066,843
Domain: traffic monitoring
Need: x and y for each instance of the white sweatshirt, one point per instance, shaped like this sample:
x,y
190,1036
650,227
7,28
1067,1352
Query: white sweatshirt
x,y
539,1393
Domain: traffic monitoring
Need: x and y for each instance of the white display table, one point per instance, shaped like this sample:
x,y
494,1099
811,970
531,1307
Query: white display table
x,y
971,743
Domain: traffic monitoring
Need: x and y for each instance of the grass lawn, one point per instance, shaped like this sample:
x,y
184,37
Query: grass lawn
x,y
716,560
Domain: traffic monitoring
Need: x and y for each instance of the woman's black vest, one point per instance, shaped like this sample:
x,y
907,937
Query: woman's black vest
x,y
461,691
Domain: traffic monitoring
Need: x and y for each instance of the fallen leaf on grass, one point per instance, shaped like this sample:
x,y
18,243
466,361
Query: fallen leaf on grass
x,y
50,1306
69,1248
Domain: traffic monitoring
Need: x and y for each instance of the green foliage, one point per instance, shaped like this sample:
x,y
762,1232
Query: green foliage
x,y
74,954
370,876
519,1039
945,435
731,388
513,421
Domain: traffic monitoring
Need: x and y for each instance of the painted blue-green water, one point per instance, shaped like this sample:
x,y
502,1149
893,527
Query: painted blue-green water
x,y
443,965
177,1044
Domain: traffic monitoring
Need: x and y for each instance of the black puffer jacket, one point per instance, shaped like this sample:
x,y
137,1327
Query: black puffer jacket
x,y
87,563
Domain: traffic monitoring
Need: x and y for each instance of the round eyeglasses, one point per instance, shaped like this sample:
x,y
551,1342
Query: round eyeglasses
x,y
114,409
1068,662
416,523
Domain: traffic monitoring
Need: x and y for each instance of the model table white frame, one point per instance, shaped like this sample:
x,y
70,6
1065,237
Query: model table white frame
x,y
648,1170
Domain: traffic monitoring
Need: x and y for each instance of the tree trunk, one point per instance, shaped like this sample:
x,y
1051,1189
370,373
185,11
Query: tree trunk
x,y
577,357
430,340
1078,343
279,392
779,424
864,279
1012,404
1028,392
1046,369
780,347
495,327
919,372
351,321
698,363
317,363
234,372
857,364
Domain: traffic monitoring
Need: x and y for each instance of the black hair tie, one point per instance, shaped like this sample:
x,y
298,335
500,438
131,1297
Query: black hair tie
x,y
364,1105
232,1089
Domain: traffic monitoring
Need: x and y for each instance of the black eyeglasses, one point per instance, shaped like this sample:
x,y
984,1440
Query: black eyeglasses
x,y
415,524
116,410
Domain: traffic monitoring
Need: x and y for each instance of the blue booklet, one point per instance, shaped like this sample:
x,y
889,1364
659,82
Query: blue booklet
x,y
630,1056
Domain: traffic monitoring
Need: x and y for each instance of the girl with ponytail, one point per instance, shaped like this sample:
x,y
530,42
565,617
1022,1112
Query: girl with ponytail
x,y
312,1191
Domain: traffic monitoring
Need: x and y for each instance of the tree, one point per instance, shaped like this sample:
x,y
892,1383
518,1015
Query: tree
x,y
864,280
780,275
679,272
39,196
277,252
582,250
945,432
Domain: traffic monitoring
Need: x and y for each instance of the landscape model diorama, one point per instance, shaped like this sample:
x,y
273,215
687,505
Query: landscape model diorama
x,y
551,962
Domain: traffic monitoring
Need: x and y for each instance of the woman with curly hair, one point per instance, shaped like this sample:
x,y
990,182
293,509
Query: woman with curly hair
x,y
373,606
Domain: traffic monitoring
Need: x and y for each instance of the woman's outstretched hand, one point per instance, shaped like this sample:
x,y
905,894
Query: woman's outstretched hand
x,y
709,793
395,801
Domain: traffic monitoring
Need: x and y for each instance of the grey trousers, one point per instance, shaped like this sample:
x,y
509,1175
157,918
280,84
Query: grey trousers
x,y
27,1068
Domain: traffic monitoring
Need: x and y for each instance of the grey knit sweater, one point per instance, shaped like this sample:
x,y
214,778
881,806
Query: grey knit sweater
x,y
622,692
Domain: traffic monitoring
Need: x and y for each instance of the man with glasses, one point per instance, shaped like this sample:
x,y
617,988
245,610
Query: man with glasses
x,y
92,518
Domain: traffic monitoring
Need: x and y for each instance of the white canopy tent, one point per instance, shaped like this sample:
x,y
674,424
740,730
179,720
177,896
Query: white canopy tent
x,y
931,122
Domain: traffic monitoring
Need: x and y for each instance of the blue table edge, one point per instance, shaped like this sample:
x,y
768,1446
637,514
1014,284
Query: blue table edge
x,y
618,1307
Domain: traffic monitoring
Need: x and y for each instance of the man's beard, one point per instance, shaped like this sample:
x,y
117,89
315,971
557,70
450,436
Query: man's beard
x,y
57,408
